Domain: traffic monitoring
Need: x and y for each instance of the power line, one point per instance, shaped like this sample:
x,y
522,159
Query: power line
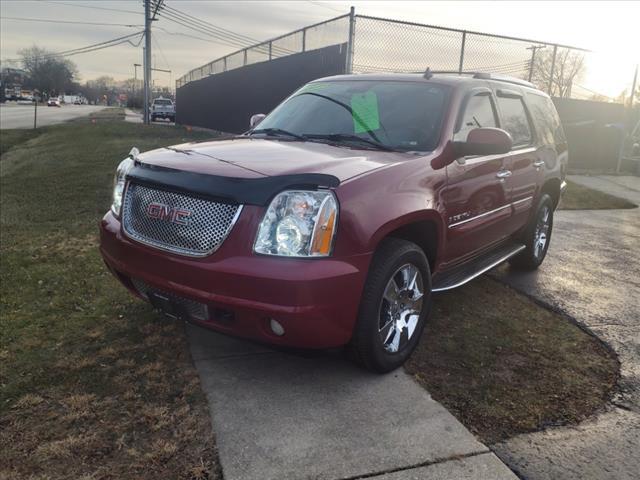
x,y
75,5
69,21
211,26
224,36
88,48
321,4
221,37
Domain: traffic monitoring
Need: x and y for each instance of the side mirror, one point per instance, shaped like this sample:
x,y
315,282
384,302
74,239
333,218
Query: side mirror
x,y
256,119
483,141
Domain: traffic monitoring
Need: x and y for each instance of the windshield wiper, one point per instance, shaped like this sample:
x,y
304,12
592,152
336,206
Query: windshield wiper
x,y
347,137
279,132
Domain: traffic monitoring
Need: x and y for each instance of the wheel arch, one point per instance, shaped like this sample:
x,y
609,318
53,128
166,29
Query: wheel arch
x,y
424,228
552,188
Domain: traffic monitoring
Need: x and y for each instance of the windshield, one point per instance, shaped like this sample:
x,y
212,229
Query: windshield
x,y
402,116
162,102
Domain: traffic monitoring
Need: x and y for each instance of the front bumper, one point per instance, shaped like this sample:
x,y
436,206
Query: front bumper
x,y
315,300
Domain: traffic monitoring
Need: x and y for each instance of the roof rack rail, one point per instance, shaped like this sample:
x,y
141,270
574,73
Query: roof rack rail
x,y
482,75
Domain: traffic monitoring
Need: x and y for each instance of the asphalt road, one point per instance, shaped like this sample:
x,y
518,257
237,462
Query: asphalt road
x,y
21,116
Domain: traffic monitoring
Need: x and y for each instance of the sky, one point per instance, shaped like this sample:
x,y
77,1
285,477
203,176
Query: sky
x,y
609,28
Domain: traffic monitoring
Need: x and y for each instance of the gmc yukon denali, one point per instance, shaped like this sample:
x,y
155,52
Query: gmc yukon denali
x,y
336,217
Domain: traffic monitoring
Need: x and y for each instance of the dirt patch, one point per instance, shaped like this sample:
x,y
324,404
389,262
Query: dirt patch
x,y
504,365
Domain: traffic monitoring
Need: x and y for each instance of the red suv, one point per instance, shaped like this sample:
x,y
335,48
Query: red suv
x,y
337,216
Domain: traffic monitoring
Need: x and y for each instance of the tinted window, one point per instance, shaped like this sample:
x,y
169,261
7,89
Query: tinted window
x,y
545,119
162,102
479,112
514,120
403,115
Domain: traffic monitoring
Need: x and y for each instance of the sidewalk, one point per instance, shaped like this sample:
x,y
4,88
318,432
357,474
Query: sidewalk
x,y
281,416
131,116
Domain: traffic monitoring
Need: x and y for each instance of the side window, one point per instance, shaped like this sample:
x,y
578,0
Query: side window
x,y
514,120
545,119
479,112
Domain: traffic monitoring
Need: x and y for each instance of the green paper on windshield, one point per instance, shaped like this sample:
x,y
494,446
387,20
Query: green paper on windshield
x,y
364,110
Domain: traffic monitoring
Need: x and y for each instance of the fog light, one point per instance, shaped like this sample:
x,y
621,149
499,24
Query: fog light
x,y
276,327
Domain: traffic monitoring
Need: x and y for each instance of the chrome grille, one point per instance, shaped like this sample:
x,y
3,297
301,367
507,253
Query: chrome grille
x,y
193,309
200,233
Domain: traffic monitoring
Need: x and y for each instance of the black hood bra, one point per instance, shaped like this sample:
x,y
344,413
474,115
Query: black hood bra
x,y
242,191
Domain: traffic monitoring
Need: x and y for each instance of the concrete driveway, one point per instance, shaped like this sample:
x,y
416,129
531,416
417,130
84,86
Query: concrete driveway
x,y
21,116
591,273
282,416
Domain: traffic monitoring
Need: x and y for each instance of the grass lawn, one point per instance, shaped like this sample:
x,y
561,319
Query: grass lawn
x,y
578,197
93,384
504,365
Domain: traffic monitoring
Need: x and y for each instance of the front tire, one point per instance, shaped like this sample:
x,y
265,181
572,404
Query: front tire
x,y
536,236
394,308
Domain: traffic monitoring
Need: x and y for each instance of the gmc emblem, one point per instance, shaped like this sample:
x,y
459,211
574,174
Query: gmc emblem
x,y
164,212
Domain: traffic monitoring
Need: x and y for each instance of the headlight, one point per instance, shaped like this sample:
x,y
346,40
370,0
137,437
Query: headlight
x,y
298,224
119,180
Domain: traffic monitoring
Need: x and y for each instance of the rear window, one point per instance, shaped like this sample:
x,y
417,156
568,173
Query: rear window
x,y
514,120
162,102
546,119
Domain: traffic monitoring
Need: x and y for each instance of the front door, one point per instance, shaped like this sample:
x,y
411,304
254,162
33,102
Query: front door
x,y
476,198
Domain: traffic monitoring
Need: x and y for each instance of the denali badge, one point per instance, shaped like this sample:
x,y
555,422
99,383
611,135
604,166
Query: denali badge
x,y
169,214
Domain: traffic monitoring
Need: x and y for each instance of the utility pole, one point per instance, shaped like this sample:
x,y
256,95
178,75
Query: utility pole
x,y
532,63
633,87
147,59
135,77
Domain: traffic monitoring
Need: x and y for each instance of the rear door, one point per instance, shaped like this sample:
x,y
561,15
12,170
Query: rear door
x,y
476,199
524,163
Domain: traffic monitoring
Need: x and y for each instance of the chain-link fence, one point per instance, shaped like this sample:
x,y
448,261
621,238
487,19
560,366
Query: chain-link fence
x,y
384,45
331,32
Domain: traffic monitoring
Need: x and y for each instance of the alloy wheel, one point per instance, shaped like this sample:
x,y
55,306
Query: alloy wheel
x,y
400,308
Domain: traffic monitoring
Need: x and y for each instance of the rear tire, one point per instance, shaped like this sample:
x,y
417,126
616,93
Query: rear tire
x,y
395,306
536,236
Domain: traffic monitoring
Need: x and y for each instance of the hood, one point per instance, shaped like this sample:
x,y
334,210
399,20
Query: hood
x,y
254,157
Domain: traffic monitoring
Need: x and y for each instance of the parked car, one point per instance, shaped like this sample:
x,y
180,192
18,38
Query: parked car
x,y
53,102
335,219
163,108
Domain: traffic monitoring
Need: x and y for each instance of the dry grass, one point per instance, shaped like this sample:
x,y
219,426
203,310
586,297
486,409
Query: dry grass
x,y
579,197
504,365
92,384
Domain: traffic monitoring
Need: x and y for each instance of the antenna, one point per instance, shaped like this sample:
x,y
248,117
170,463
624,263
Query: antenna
x,y
427,74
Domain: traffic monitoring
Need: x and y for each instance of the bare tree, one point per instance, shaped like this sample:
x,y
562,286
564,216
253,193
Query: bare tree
x,y
46,71
569,67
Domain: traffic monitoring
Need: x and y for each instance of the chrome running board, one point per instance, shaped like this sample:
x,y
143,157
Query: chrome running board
x,y
462,274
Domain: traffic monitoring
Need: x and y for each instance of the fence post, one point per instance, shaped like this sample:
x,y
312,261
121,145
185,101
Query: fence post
x,y
553,68
464,41
244,61
304,39
224,64
270,49
352,31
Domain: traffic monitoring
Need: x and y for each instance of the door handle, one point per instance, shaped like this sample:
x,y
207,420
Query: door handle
x,y
502,174
538,163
